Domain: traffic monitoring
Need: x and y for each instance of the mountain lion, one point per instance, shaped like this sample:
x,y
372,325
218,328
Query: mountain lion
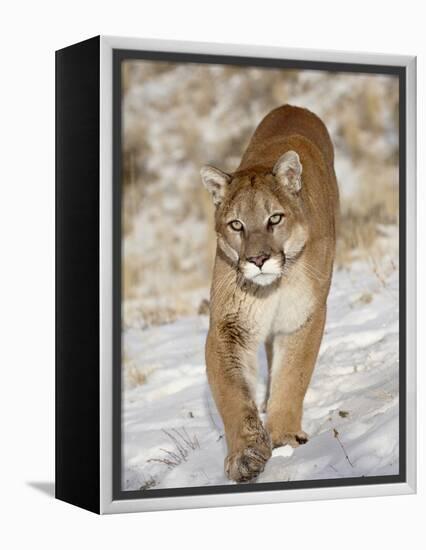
x,y
275,221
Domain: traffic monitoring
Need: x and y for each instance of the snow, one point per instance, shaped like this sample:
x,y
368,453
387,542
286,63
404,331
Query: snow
x,y
173,434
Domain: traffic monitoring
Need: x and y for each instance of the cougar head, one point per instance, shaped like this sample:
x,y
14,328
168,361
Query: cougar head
x,y
259,221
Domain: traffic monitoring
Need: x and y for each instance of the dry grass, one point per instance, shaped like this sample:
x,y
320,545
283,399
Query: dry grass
x,y
374,205
149,483
183,444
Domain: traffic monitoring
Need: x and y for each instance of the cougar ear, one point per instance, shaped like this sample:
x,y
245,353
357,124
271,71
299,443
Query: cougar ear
x,y
288,171
215,182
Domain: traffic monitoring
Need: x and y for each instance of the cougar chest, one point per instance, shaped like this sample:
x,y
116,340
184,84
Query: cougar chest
x,y
295,302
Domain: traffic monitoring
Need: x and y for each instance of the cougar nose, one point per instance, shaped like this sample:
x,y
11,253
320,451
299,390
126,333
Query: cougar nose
x,y
259,260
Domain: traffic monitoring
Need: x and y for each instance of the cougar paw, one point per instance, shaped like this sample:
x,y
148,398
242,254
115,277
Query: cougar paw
x,y
294,439
246,464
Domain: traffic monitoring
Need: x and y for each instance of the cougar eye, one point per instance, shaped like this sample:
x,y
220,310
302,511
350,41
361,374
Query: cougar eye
x,y
236,225
275,219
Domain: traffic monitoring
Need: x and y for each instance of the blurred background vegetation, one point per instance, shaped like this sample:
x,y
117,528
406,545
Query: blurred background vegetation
x,y
177,117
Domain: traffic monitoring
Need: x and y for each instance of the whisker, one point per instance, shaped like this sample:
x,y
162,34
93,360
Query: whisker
x,y
224,283
312,272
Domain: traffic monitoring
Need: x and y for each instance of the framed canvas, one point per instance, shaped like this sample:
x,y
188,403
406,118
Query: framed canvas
x,y
235,274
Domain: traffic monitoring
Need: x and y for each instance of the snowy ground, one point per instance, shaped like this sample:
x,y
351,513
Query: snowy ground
x,y
173,435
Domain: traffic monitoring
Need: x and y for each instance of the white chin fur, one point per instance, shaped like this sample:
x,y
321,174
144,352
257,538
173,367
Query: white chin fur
x,y
269,273
264,279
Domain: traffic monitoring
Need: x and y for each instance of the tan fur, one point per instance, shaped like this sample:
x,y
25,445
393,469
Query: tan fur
x,y
270,281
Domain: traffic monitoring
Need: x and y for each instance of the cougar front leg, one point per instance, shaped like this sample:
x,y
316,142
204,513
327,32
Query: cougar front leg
x,y
230,373
269,356
294,357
